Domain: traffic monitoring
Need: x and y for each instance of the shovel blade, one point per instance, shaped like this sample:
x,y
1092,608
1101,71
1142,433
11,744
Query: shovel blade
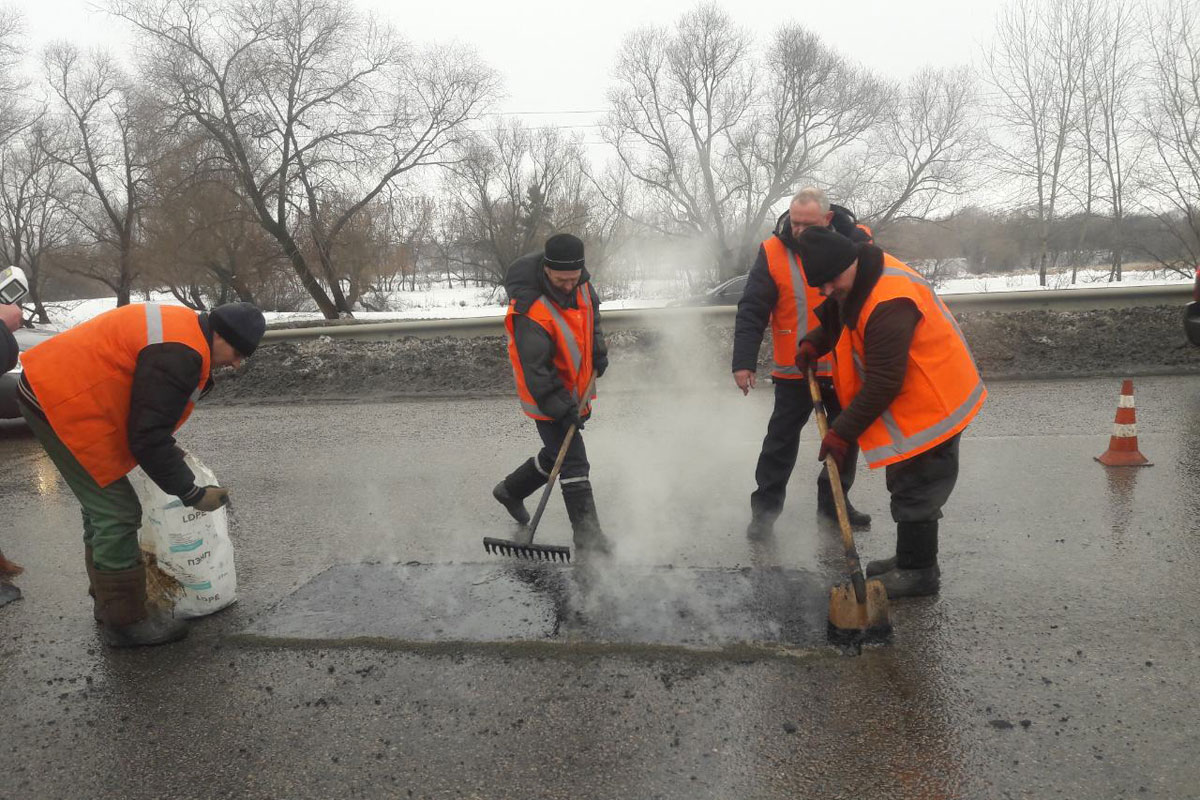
x,y
851,621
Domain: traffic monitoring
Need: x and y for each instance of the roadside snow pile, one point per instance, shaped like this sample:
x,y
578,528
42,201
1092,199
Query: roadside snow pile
x,y
1026,344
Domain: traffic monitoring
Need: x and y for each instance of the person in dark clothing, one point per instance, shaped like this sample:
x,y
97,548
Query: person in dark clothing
x,y
10,320
908,387
108,395
556,346
776,294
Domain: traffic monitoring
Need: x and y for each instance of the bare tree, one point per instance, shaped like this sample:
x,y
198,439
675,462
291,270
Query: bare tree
x,y
514,186
97,135
922,154
1112,77
1035,66
316,110
716,137
34,218
1172,114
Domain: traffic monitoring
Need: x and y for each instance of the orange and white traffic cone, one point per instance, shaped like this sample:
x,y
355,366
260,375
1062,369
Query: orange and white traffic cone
x,y
1123,446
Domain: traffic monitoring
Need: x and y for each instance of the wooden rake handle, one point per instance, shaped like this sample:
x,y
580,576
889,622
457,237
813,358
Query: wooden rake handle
x,y
584,399
853,564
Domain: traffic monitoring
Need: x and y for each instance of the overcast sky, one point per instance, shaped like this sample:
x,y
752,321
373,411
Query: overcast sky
x,y
557,57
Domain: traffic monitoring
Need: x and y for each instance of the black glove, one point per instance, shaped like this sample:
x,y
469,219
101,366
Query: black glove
x,y
571,418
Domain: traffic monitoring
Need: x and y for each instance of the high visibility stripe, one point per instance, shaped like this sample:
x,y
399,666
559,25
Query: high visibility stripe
x,y
915,277
568,335
1126,401
798,291
823,368
901,444
579,479
1124,430
531,408
537,463
154,324
195,396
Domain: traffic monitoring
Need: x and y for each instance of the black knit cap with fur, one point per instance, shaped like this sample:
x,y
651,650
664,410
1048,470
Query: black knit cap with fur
x,y
825,254
563,252
240,324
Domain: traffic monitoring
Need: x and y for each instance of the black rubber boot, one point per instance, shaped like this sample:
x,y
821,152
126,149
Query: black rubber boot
x,y
762,526
827,508
512,491
121,596
585,523
914,571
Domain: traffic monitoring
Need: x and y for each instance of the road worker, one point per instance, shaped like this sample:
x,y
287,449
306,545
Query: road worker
x,y
108,395
10,320
555,345
776,293
907,384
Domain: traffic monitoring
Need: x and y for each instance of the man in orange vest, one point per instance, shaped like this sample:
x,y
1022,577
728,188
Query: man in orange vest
x,y
555,345
908,386
108,395
776,293
10,320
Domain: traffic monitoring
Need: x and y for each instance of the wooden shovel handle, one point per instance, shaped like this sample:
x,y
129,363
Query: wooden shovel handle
x,y
853,564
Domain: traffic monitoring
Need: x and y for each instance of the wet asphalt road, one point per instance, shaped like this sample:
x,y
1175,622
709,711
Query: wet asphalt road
x,y
1059,660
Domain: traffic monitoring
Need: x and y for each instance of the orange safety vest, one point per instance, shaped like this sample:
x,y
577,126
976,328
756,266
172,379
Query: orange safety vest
x,y
83,379
942,390
571,330
797,300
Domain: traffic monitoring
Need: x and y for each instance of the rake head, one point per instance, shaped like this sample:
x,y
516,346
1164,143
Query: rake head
x,y
530,551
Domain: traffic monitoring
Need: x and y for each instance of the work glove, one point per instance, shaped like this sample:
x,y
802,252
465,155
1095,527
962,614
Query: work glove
x,y
213,498
836,446
806,356
572,418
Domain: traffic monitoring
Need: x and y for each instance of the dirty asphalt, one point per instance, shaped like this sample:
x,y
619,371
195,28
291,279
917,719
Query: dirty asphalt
x,y
1059,660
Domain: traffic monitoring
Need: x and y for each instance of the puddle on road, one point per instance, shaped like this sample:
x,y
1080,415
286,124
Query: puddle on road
x,y
511,602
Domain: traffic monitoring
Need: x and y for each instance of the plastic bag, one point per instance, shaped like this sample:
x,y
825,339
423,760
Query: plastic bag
x,y
191,546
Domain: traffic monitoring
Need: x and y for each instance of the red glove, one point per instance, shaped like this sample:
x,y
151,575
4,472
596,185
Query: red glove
x,y
836,446
806,356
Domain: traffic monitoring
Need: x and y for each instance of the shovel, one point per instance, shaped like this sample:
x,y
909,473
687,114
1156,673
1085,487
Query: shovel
x,y
858,610
526,548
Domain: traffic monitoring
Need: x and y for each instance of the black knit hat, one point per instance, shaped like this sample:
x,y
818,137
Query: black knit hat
x,y
825,254
563,252
240,324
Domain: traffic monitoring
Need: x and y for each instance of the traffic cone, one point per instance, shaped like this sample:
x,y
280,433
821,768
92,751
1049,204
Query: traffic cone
x,y
1123,446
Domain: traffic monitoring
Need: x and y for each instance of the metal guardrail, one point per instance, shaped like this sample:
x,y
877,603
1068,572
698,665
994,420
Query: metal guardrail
x,y
1030,300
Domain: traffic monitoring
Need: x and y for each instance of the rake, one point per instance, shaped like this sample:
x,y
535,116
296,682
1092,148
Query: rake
x,y
525,548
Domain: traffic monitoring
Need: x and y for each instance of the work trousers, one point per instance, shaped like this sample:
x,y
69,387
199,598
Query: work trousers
x,y
921,485
575,466
793,405
111,514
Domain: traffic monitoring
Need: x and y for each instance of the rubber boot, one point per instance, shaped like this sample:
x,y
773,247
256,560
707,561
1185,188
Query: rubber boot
x,y
91,573
762,520
827,507
121,596
914,571
585,523
512,491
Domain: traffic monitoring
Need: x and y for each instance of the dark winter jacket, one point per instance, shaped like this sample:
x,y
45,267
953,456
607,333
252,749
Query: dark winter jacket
x,y
761,293
885,343
164,378
8,349
525,282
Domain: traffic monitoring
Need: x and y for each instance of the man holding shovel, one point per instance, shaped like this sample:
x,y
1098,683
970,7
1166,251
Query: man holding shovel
x,y
556,347
108,395
908,387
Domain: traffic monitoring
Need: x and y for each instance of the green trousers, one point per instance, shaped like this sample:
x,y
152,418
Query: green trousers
x,y
111,514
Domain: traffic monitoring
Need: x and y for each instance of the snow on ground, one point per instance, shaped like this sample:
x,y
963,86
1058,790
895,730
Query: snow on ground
x,y
441,302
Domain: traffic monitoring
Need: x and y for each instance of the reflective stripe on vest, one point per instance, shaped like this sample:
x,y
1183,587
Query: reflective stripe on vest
x,y
795,297
899,445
